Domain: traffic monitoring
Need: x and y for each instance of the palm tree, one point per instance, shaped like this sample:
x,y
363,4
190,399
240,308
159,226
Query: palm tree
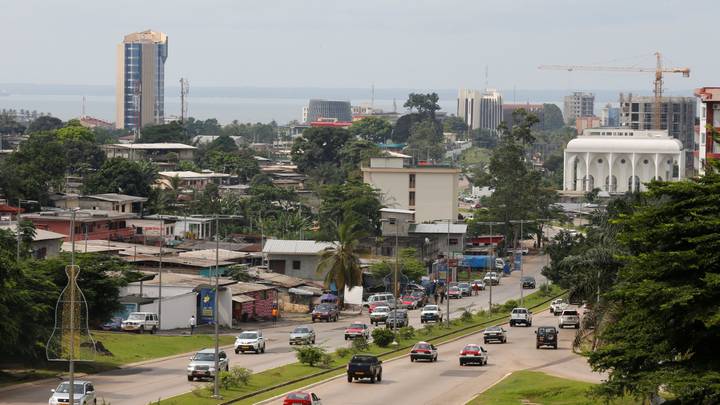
x,y
340,263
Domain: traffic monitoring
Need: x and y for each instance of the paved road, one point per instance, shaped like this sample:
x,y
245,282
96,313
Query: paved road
x,y
163,379
446,382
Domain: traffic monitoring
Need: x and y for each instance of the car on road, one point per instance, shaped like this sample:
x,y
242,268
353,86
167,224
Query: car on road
x,y
326,312
546,336
499,263
379,314
431,313
377,297
357,330
495,334
141,322
301,398
420,297
521,316
302,335
250,341
408,302
569,317
378,304
454,292
527,282
397,318
523,251
558,305
465,289
473,354
423,351
364,366
84,393
114,324
492,278
478,284
202,364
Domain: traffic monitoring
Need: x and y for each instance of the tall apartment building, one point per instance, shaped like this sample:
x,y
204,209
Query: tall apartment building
x,y
319,109
578,105
709,112
140,81
480,109
429,190
677,116
610,116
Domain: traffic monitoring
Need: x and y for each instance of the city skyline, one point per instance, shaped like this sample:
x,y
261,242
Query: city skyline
x,y
279,45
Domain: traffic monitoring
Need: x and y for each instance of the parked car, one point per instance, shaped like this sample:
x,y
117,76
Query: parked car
x,y
479,284
546,336
431,313
356,330
301,398
327,312
423,351
377,297
141,322
397,318
465,289
491,277
202,364
250,341
302,335
364,366
528,282
114,324
408,302
569,317
496,334
520,316
557,306
84,393
379,315
454,292
473,354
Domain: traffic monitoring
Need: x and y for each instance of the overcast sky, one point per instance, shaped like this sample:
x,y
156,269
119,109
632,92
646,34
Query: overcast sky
x,y
440,44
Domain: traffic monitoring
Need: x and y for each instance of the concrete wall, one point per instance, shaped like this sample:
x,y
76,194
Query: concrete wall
x,y
436,196
176,311
308,265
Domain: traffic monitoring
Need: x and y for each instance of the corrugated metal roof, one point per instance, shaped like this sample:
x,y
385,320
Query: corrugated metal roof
x,y
242,288
437,228
40,234
242,298
295,247
209,254
166,145
115,197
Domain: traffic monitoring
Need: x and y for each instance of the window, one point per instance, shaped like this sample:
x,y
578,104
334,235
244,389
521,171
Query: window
x,y
453,241
412,180
412,199
296,265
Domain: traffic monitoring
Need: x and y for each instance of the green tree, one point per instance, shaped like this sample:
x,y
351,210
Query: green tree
x,y
401,131
319,146
425,104
118,175
44,123
195,127
409,266
340,264
666,327
241,163
76,132
552,117
454,124
223,143
354,201
171,132
9,125
353,154
372,129
426,141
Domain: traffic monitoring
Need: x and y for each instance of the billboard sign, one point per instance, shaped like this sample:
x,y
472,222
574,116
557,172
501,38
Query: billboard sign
x,y
207,305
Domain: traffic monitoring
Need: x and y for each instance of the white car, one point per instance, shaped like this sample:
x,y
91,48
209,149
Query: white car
x,y
378,297
431,313
499,263
84,393
520,316
202,364
557,306
141,322
491,278
250,341
569,317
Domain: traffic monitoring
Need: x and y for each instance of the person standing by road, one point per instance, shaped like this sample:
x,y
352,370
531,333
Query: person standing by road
x,y
192,324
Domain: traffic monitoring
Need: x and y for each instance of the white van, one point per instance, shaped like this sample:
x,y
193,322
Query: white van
x,y
378,297
499,263
141,322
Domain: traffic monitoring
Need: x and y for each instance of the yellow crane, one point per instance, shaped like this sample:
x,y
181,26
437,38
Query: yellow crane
x,y
659,69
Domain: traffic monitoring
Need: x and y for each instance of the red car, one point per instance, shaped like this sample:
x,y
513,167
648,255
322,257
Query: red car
x,y
409,302
376,304
356,330
473,354
454,292
302,398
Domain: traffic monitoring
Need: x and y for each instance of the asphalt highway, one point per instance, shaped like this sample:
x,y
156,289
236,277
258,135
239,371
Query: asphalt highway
x,y
163,379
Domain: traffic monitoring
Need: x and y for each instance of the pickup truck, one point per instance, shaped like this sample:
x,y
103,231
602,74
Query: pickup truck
x,y
520,316
557,306
364,366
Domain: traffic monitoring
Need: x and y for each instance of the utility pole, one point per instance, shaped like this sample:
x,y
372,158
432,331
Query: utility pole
x,y
71,360
17,219
395,276
160,276
216,383
447,276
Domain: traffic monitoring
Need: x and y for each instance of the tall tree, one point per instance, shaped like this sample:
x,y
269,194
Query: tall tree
x,y
354,201
425,104
317,147
44,123
340,265
118,175
372,129
426,141
454,124
171,132
552,117
401,130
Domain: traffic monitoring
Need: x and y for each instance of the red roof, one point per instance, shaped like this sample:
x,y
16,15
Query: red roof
x,y
10,209
338,124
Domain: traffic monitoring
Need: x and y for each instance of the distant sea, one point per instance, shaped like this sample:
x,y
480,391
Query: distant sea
x,y
246,104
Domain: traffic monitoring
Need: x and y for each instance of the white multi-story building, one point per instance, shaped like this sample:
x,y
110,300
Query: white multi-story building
x,y
480,109
578,105
618,160
429,190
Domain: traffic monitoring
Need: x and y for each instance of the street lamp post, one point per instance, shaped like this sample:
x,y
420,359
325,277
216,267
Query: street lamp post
x,y
492,256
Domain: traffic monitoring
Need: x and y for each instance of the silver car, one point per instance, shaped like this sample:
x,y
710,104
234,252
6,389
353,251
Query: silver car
x,y
202,364
84,393
302,335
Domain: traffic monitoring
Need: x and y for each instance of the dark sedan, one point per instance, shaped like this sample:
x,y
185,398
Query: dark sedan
x,y
326,312
528,282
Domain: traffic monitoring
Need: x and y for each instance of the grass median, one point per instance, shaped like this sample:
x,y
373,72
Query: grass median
x,y
126,348
472,322
541,388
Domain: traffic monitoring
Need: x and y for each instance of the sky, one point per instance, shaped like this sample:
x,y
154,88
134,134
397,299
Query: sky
x,y
441,44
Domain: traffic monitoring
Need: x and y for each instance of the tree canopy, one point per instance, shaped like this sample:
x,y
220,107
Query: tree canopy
x,y
372,129
118,175
426,141
425,104
171,132
354,201
44,123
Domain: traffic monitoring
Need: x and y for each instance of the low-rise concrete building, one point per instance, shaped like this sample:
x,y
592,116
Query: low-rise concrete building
x,y
155,152
193,181
89,224
296,258
112,202
45,244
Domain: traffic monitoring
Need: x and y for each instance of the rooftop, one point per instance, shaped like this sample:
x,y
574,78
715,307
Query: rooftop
x,y
295,247
192,175
114,197
209,254
151,146
40,234
438,228
396,211
84,215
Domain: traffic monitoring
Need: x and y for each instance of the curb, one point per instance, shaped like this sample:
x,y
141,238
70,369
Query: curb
x,y
490,386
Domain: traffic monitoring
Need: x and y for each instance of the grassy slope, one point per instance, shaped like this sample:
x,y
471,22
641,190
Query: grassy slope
x,y
540,388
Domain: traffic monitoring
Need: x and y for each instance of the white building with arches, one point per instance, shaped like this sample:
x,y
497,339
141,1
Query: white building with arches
x,y
618,160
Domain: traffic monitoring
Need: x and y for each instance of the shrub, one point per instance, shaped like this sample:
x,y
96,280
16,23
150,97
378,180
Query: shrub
x,y
428,329
383,336
466,316
406,332
236,377
360,344
509,305
544,289
343,352
325,360
310,354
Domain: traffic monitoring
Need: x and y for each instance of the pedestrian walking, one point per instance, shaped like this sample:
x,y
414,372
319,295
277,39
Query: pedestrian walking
x,y
192,324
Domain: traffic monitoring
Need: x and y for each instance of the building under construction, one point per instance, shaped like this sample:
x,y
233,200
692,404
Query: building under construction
x,y
677,116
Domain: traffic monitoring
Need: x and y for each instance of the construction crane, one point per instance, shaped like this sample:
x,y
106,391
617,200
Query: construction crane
x,y
659,70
